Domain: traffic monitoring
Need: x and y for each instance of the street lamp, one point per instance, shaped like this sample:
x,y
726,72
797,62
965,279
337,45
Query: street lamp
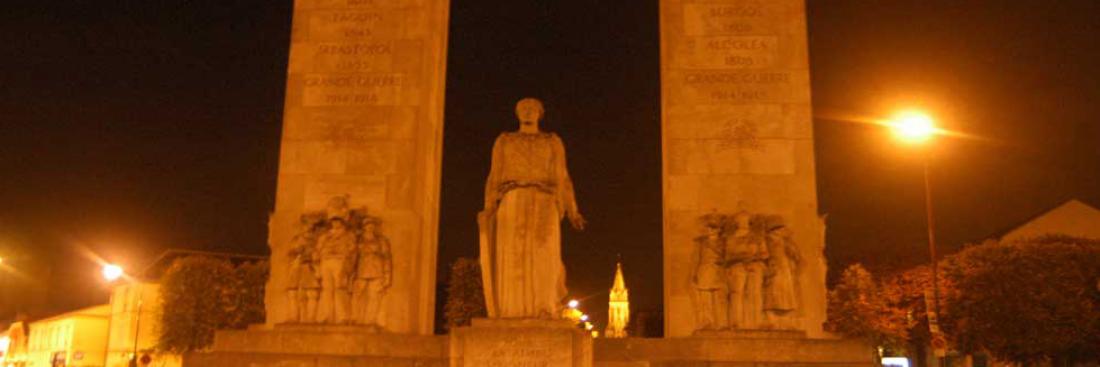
x,y
915,127
111,273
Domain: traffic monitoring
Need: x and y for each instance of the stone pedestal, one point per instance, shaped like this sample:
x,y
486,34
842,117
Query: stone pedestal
x,y
520,343
751,334
297,345
754,348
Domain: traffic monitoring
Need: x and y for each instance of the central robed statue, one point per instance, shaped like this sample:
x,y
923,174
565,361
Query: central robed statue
x,y
527,194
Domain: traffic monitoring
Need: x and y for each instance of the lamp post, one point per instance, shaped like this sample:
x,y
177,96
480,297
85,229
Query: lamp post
x,y
914,127
111,273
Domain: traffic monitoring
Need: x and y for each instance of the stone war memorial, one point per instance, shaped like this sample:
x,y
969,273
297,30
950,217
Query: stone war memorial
x,y
353,236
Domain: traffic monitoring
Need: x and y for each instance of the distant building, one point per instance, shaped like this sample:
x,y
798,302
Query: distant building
x,y
109,335
98,336
135,316
13,344
5,344
1072,218
69,339
618,306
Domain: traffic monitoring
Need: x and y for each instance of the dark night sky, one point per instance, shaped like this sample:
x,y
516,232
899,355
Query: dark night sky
x,y
128,127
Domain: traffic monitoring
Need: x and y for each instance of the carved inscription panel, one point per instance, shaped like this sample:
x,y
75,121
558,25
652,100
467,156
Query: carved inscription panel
x,y
518,349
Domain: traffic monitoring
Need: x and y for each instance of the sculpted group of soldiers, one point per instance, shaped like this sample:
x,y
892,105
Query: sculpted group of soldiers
x,y
745,273
340,267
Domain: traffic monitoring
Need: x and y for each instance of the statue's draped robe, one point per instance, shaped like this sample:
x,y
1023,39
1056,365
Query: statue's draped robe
x,y
531,190
780,290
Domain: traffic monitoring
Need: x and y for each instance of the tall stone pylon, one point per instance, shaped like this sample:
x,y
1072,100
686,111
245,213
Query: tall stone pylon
x,y
737,137
363,120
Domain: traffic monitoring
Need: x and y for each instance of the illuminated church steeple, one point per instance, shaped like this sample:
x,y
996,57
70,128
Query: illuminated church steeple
x,y
618,306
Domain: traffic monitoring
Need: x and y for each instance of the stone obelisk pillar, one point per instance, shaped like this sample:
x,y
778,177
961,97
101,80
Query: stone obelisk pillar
x,y
364,119
737,137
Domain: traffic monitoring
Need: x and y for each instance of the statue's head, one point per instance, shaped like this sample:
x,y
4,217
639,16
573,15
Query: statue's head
x,y
337,225
370,225
712,224
338,206
529,111
742,219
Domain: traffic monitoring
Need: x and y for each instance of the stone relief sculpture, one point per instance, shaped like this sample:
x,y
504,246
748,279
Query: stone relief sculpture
x,y
340,267
337,249
373,275
303,288
780,296
749,264
708,275
746,253
527,194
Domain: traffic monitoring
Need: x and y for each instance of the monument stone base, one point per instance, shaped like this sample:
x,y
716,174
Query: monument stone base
x,y
748,348
520,343
305,345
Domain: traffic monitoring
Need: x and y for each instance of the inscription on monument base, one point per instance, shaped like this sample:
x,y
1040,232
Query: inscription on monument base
x,y
519,351
520,343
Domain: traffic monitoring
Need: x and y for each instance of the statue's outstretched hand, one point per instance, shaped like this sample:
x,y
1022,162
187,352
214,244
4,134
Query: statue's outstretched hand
x,y
576,220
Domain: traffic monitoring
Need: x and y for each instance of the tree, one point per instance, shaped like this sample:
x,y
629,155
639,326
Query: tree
x,y
202,294
859,308
465,298
909,292
250,280
194,296
891,312
1029,300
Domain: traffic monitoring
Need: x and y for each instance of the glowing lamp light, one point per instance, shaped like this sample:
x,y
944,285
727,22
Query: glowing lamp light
x,y
895,362
112,272
574,303
584,317
913,126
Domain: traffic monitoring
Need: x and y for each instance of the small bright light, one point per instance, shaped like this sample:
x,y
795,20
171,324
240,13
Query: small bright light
x,y
574,303
895,362
589,326
584,317
913,126
1,260
112,272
